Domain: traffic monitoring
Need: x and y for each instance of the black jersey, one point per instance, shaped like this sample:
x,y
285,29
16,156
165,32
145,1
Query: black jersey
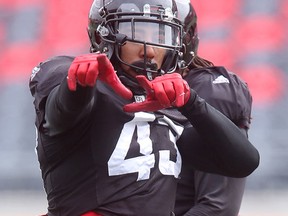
x,y
126,173
223,90
101,158
229,94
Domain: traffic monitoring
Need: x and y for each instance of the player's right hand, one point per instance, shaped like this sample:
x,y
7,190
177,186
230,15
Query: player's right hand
x,y
169,90
86,69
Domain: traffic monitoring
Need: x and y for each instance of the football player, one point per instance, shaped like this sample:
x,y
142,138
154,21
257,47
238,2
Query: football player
x,y
110,123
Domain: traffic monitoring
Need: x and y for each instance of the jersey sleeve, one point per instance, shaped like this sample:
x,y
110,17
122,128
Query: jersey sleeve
x,y
44,78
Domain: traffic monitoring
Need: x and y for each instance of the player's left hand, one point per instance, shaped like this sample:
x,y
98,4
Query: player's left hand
x,y
165,91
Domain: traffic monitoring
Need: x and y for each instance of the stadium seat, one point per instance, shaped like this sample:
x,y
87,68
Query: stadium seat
x,y
259,33
18,3
67,32
214,12
16,70
266,82
219,52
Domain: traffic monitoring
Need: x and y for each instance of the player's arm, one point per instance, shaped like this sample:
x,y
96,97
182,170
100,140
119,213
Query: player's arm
x,y
217,194
231,153
74,97
202,193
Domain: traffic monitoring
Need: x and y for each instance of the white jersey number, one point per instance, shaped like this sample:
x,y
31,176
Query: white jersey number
x,y
118,165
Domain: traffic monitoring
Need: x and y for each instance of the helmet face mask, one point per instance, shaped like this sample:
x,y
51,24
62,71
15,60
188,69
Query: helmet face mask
x,y
152,33
154,23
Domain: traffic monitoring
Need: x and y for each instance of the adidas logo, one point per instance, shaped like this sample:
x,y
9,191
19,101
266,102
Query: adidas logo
x,y
220,79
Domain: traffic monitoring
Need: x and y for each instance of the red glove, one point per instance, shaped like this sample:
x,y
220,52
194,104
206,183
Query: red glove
x,y
162,92
86,69
91,214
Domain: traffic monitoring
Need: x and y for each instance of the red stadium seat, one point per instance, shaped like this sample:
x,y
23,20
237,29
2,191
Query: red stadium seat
x,y
18,3
214,12
63,30
219,52
259,33
28,56
265,81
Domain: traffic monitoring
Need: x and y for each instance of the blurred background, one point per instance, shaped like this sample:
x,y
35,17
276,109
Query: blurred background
x,y
247,37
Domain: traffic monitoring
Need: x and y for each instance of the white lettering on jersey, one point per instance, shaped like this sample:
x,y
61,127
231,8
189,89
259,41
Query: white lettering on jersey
x,y
34,72
118,165
166,166
139,98
220,79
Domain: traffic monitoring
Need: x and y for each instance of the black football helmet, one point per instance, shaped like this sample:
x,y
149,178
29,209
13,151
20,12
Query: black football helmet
x,y
188,17
114,22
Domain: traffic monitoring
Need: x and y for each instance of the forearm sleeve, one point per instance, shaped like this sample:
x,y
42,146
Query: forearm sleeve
x,y
64,108
232,150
